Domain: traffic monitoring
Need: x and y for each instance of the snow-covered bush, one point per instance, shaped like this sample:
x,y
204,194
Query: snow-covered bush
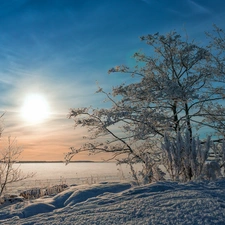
x,y
188,159
211,171
147,172
218,153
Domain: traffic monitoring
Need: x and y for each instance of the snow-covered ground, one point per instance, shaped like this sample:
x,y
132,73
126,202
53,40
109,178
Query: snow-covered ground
x,y
73,173
122,203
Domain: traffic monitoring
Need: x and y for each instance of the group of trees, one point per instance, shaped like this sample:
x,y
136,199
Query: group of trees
x,y
178,94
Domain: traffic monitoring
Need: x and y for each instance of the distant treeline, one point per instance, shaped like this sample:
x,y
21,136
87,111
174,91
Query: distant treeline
x,y
85,161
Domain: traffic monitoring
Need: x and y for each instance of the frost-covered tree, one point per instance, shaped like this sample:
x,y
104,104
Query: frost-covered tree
x,y
215,116
174,87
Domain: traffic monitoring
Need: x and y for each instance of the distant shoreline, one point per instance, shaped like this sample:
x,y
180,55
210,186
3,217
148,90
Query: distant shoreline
x,y
82,161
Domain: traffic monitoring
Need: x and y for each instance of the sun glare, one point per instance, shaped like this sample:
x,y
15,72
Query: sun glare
x,y
35,109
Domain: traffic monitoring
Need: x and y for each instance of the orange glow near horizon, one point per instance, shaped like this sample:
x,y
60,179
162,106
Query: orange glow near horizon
x,y
48,142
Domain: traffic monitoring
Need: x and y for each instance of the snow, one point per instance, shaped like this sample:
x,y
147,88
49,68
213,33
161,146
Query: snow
x,y
123,203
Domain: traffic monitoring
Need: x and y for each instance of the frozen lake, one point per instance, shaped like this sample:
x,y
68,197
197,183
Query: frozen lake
x,y
48,174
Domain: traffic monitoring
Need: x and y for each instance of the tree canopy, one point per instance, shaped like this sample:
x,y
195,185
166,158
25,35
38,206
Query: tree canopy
x,y
177,94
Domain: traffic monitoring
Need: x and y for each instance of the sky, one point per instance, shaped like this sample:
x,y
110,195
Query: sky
x,y
59,49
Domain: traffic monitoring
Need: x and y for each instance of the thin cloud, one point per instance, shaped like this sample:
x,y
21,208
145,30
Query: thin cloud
x,y
147,1
196,7
61,48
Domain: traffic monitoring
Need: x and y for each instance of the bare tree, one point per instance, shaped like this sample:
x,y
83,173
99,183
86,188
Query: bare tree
x,y
9,171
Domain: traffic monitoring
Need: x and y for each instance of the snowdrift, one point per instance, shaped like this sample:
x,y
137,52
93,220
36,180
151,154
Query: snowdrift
x,y
121,203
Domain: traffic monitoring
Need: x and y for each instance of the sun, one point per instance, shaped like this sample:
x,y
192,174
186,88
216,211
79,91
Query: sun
x,y
35,108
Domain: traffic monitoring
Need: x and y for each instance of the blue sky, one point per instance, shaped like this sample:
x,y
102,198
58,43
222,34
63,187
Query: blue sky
x,y
60,48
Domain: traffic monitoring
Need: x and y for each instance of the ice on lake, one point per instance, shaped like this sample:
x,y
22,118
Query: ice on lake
x,y
48,174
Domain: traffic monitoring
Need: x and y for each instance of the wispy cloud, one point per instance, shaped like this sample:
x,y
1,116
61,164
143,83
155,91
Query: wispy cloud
x,y
61,48
198,8
190,8
147,1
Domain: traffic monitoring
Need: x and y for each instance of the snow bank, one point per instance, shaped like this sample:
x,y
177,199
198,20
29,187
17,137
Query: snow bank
x,y
120,203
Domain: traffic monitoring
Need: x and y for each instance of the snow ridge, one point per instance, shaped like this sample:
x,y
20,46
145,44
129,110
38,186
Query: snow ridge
x,y
120,203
